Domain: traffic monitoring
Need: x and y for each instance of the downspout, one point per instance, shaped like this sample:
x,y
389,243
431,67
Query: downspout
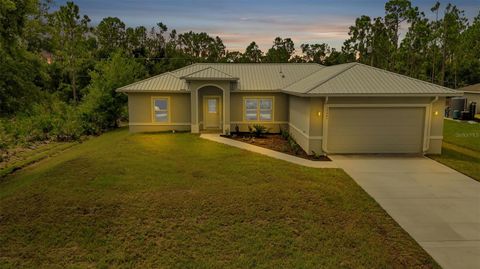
x,y
429,124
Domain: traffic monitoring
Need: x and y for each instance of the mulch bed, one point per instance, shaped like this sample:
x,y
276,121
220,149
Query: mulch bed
x,y
277,143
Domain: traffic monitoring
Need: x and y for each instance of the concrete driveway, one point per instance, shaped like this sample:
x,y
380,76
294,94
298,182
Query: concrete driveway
x,y
436,205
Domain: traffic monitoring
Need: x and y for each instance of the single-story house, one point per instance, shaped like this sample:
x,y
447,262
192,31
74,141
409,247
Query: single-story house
x,y
472,93
347,108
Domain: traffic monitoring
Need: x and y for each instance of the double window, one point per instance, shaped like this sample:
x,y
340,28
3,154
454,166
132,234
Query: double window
x,y
160,109
258,109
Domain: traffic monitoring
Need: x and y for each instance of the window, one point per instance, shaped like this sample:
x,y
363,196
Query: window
x,y
212,105
251,107
259,109
160,109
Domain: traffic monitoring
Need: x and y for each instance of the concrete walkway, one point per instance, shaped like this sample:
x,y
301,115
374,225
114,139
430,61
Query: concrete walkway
x,y
268,152
438,206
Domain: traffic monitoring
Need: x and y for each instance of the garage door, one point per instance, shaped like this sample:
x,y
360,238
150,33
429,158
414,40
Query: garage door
x,y
375,130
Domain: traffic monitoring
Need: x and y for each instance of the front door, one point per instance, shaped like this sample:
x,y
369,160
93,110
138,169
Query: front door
x,y
212,112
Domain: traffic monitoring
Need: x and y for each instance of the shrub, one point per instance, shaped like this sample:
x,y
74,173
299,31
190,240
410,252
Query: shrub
x,y
5,139
294,145
48,120
284,133
259,130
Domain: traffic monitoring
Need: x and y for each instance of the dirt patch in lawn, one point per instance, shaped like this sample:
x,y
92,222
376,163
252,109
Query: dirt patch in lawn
x,y
278,143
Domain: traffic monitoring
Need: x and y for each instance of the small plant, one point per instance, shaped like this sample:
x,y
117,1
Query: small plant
x,y
237,129
284,133
259,130
317,156
250,130
294,145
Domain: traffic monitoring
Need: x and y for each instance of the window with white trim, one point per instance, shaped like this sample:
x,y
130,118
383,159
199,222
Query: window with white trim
x,y
258,109
160,106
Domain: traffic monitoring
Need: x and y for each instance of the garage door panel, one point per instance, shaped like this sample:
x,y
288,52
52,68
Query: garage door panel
x,y
375,130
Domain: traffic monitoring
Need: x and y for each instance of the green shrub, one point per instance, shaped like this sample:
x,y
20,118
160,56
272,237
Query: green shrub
x,y
5,139
259,130
49,120
294,145
284,133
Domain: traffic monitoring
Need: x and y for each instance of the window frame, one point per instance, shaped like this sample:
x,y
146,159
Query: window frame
x,y
258,109
168,110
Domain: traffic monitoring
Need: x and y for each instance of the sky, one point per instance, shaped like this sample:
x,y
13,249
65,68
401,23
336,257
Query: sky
x,y
238,22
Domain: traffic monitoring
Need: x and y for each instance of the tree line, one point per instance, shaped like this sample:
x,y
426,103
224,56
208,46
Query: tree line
x,y
55,62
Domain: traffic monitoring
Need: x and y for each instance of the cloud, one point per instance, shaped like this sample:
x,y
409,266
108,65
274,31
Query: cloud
x,y
238,22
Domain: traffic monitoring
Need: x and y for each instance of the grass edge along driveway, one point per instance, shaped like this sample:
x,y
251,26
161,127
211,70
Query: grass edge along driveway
x,y
178,201
461,148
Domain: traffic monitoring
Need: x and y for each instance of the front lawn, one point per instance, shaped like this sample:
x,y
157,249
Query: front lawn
x,y
462,134
178,201
461,148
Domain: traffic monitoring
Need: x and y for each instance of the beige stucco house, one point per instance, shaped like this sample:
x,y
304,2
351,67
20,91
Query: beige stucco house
x,y
348,108
472,93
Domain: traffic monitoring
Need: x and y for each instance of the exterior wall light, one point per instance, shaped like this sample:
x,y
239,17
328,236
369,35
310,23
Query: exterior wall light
x,y
435,113
319,113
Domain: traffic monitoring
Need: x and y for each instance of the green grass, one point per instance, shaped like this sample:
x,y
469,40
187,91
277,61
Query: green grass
x,y
178,201
462,134
460,159
461,148
29,157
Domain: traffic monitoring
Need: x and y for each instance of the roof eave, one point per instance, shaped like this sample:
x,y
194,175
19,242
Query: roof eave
x,y
204,79
373,94
151,91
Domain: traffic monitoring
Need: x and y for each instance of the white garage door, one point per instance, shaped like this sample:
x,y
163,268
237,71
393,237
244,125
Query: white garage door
x,y
375,130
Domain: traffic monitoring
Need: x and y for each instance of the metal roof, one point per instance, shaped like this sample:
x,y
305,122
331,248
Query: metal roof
x,y
251,76
360,79
475,88
295,78
315,79
163,82
209,73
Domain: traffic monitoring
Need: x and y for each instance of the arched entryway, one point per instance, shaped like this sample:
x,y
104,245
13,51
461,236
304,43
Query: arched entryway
x,y
211,109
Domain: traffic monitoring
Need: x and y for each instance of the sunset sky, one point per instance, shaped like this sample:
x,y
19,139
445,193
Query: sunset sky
x,y
238,22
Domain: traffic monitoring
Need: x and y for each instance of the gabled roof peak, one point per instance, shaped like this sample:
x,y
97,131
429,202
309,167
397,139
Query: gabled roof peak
x,y
208,73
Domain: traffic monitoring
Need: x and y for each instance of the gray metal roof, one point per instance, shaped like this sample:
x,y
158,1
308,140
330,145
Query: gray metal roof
x,y
163,82
251,76
209,73
360,79
315,79
474,88
294,78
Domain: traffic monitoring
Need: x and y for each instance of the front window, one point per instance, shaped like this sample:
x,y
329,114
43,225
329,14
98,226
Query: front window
x,y
161,109
259,109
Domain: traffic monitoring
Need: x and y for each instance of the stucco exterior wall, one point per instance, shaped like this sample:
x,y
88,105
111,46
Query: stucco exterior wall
x,y
140,111
473,97
196,88
280,111
308,130
303,116
436,126
299,121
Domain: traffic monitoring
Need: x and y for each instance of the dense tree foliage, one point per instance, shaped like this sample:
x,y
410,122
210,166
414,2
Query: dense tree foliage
x,y
56,63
